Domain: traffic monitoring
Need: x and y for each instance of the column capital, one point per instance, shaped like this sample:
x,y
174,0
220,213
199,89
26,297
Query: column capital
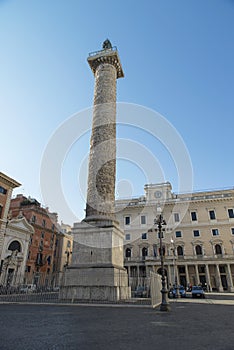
x,y
109,56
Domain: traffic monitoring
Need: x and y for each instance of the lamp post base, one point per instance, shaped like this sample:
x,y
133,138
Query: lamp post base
x,y
165,307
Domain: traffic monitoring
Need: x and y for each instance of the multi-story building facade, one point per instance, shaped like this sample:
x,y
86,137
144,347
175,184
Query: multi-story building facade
x,y
40,269
6,187
198,239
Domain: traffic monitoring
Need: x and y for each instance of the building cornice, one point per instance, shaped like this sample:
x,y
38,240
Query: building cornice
x,y
9,181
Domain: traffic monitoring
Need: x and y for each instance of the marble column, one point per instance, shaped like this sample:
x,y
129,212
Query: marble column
x,y
187,274
208,277
231,288
97,268
102,159
220,287
197,275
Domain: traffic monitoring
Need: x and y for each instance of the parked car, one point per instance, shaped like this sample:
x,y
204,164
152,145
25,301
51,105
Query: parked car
x,y
198,292
179,291
28,288
140,292
182,292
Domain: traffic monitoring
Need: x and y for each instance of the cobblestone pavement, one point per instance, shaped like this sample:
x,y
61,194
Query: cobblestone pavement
x,y
193,325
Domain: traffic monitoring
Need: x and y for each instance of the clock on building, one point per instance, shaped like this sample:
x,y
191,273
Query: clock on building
x,y
157,194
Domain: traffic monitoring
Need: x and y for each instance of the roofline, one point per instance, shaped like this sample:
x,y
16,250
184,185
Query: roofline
x,y
9,181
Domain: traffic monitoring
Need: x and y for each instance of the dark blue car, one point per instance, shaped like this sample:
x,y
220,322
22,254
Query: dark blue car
x,y
198,292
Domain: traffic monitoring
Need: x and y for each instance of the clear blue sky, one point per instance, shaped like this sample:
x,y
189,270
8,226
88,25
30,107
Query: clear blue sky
x,y
177,58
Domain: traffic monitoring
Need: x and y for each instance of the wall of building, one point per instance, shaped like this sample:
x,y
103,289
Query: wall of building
x,y
40,260
15,252
7,185
199,247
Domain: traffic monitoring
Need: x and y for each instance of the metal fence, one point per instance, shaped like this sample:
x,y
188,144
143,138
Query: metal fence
x,y
42,289
156,285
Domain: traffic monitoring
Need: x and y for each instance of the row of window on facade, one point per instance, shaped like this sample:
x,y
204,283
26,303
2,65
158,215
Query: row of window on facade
x,y
179,234
15,245
194,217
43,223
198,250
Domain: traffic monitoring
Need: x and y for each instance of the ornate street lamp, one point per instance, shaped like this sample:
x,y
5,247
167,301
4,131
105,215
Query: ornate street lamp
x,y
160,222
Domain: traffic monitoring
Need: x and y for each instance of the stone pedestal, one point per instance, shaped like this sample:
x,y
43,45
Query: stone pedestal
x,y
96,271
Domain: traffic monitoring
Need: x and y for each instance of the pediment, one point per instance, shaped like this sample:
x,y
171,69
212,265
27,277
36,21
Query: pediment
x,y
20,224
216,241
197,242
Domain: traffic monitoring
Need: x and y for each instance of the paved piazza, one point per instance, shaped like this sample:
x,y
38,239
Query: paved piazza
x,y
193,325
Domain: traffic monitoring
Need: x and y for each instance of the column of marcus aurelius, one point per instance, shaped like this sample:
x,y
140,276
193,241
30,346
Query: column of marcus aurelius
x,y
97,271
107,68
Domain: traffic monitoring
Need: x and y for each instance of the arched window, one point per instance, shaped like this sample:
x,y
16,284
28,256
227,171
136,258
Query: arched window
x,y
180,251
144,251
128,253
15,245
198,250
218,249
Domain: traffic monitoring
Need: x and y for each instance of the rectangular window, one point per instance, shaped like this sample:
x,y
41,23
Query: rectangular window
x,y
215,232
49,260
144,236
28,269
194,216
127,220
3,190
127,237
178,234
222,269
231,213
39,259
212,214
43,223
143,220
201,269
181,269
0,211
232,230
33,219
176,217
196,233
41,245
